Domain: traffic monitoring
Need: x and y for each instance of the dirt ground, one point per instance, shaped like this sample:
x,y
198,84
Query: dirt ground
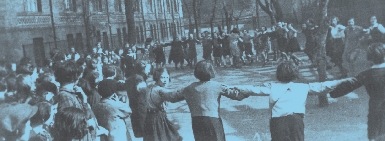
x,y
344,119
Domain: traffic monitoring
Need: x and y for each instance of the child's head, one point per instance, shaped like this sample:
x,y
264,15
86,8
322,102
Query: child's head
x,y
376,53
107,88
286,72
108,70
204,70
70,123
162,77
67,72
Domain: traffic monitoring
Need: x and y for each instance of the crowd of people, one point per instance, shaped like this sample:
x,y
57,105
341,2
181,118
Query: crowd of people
x,y
89,97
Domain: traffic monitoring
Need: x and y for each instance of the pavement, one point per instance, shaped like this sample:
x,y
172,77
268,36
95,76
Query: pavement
x,y
238,116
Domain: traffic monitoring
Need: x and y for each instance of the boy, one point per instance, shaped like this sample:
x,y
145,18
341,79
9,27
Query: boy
x,y
110,112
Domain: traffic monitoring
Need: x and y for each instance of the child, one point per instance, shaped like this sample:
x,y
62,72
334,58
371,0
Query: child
x,y
203,100
156,125
110,112
373,80
288,100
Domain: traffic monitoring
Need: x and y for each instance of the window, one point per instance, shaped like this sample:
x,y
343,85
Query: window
x,y
159,6
176,6
150,5
98,6
118,6
70,5
168,6
32,6
137,6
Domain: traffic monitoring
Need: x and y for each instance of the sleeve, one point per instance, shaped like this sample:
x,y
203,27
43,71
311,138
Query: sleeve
x,y
381,28
325,87
234,93
347,87
259,90
171,95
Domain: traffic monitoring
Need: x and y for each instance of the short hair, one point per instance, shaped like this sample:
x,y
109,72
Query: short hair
x,y
204,70
376,53
108,70
158,72
45,87
43,113
70,123
286,72
67,72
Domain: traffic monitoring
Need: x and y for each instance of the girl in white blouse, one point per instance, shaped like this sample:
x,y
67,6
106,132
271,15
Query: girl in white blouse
x,y
288,100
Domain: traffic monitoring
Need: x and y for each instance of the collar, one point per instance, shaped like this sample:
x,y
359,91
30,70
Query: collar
x,y
68,87
378,66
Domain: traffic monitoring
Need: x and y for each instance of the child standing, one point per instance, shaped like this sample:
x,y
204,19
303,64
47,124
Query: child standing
x,y
288,100
110,112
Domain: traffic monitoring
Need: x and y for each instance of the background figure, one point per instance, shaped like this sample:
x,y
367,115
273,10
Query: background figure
x,y
160,59
176,53
310,30
207,46
376,30
234,49
335,45
353,46
247,39
293,45
225,41
217,50
192,51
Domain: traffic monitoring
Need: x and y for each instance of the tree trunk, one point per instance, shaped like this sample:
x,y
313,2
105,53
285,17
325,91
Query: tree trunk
x,y
86,18
321,57
143,21
278,10
196,19
267,8
130,18
212,18
188,11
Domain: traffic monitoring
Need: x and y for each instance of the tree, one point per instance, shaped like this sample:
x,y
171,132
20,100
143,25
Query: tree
x,y
321,40
273,9
187,10
227,10
212,18
130,18
196,8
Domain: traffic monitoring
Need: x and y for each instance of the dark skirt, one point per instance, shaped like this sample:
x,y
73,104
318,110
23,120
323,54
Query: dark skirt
x,y
208,129
293,45
336,50
287,128
249,49
160,58
226,50
217,51
158,128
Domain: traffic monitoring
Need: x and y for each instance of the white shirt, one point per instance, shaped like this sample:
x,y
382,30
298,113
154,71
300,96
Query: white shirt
x,y
337,31
288,98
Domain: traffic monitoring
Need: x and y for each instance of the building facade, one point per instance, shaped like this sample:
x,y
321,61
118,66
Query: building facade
x,y
32,28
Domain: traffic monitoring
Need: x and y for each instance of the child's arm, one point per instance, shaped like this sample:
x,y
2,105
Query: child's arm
x,y
240,92
327,86
259,90
171,95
